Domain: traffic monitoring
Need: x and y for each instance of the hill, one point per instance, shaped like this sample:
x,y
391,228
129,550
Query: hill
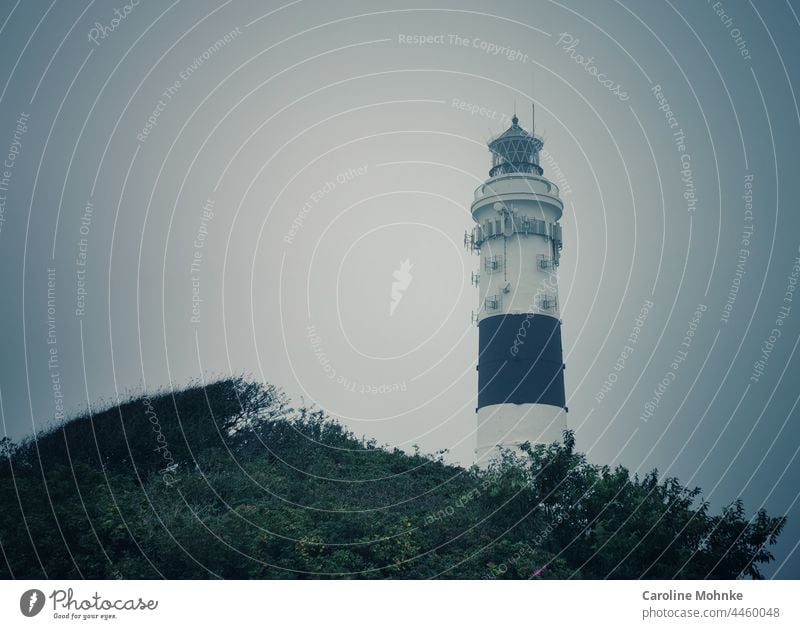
x,y
227,480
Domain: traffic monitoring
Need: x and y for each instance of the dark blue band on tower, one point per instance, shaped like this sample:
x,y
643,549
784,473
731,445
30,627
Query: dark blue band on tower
x,y
520,360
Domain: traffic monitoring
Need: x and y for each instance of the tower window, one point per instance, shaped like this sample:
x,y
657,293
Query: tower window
x,y
493,302
549,302
544,262
493,263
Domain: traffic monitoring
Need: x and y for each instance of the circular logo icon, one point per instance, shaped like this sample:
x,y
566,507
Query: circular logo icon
x,y
31,603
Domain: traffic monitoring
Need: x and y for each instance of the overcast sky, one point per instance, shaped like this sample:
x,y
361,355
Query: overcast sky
x,y
280,162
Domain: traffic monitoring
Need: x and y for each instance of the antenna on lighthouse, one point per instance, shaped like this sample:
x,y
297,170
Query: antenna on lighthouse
x,y
533,106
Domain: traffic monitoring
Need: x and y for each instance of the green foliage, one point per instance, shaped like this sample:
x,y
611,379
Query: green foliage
x,y
227,480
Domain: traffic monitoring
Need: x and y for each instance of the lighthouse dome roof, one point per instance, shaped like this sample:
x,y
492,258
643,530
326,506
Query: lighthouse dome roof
x,y
515,150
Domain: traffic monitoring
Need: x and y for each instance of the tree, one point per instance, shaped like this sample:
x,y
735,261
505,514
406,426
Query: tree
x,y
255,489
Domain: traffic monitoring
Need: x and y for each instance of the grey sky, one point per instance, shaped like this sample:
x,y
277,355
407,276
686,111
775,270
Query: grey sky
x,y
298,154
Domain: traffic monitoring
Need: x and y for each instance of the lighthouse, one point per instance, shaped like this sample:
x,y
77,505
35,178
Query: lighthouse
x,y
518,238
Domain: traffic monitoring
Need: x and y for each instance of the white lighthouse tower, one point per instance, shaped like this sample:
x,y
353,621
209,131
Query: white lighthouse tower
x,y
518,237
